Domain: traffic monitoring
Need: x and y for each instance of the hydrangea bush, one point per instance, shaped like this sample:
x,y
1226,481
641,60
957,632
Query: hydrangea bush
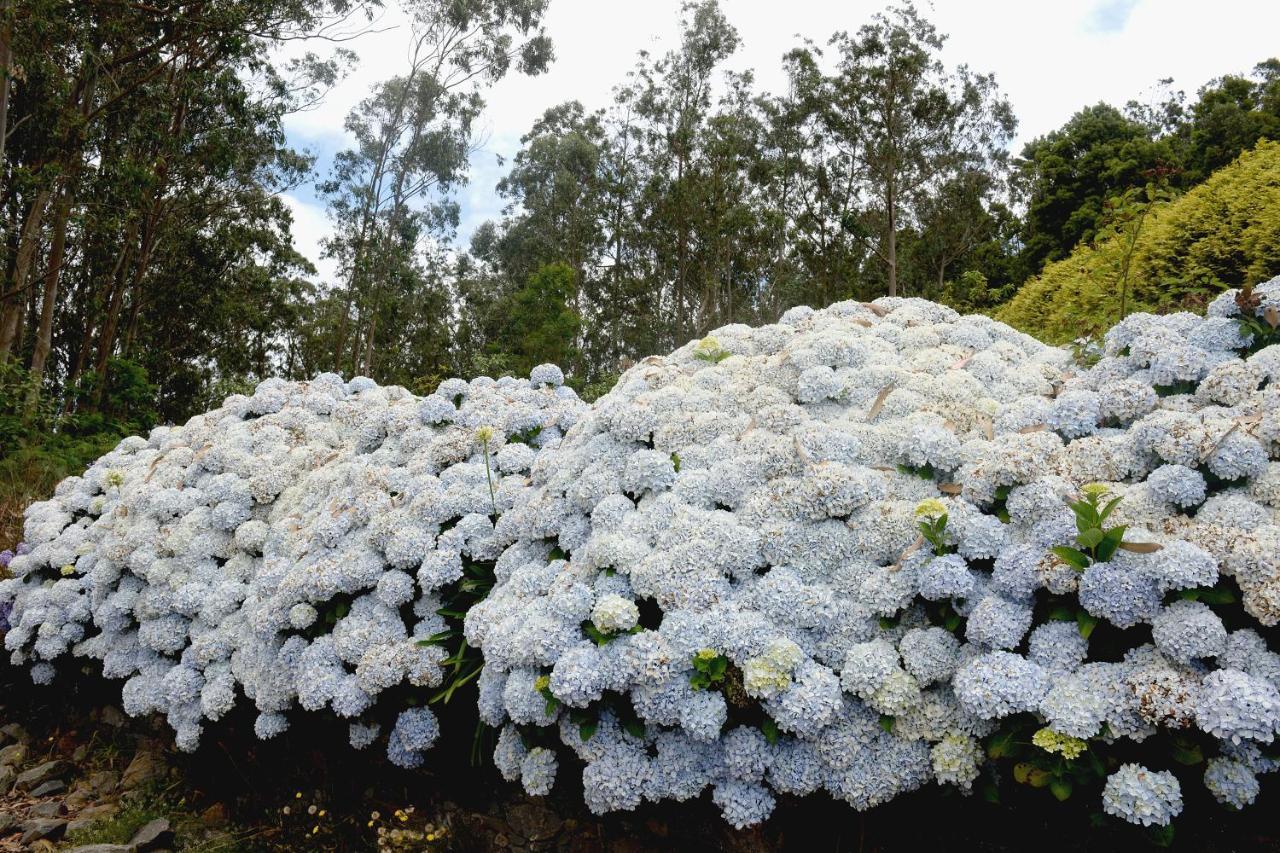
x,y
857,551
298,546
881,544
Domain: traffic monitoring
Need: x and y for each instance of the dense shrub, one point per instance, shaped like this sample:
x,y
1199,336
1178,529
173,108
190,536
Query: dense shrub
x,y
1223,233
858,551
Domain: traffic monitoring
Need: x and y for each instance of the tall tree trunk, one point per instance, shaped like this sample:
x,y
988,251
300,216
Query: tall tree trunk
x,y
891,247
44,330
6,56
11,312
110,321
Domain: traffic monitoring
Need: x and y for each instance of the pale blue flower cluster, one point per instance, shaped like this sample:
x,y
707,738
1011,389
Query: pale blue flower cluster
x,y
290,545
715,579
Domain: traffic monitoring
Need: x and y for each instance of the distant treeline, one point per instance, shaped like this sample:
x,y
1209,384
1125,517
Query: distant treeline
x,y
148,266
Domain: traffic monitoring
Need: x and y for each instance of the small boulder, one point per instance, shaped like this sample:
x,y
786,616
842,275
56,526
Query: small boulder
x,y
91,815
13,733
7,823
49,789
13,755
53,808
47,828
41,773
145,767
153,835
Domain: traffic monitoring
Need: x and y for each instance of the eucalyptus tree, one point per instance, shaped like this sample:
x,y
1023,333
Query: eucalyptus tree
x,y
132,128
388,195
907,122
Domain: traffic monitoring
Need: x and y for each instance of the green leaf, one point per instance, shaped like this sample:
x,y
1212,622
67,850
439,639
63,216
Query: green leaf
x,y
1187,753
1076,559
991,793
1061,789
586,730
1086,623
635,728
1110,542
1091,537
1002,745
770,729
675,461
1039,778
1216,595
1062,613
1106,511
886,722
888,623
1161,836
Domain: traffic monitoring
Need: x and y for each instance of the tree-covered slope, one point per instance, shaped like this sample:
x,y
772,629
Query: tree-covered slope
x,y
1223,233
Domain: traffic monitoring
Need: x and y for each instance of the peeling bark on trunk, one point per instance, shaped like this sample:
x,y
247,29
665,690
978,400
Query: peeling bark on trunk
x,y
44,331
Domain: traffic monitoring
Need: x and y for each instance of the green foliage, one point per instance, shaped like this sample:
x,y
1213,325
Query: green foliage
x,y
710,669
1098,543
41,445
603,638
1223,233
931,521
539,324
1069,175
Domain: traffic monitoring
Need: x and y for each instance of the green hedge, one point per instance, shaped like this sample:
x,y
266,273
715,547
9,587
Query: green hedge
x,y
1223,233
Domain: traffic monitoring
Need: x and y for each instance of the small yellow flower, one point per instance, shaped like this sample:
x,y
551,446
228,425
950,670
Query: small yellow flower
x,y
708,654
114,478
298,796
484,434
1094,490
1065,745
323,813
931,508
543,682
68,570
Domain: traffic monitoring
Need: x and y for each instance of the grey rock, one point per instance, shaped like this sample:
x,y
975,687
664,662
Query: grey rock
x,y
48,789
13,754
13,733
113,716
88,817
41,773
153,835
7,822
7,775
104,781
145,767
53,808
38,828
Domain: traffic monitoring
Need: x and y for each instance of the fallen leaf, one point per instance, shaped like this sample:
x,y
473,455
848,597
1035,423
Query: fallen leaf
x,y
879,403
1140,547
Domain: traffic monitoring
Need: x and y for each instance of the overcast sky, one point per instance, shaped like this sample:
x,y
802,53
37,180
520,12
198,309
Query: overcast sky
x,y
1050,58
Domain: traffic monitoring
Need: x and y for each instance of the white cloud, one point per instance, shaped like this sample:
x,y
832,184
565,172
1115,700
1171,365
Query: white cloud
x,y
1050,59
